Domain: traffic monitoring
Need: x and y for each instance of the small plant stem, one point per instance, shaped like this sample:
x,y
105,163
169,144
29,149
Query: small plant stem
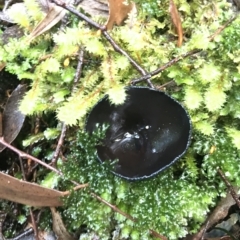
x,y
229,186
157,235
168,64
220,29
78,72
118,49
59,145
204,230
182,56
27,156
79,14
64,126
31,212
79,186
113,207
3,216
34,225
24,235
115,46
167,84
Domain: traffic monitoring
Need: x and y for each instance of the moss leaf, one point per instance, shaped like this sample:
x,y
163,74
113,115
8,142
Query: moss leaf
x,y
193,98
205,127
235,136
214,98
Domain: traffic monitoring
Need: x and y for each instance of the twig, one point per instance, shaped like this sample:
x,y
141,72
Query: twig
x,y
170,83
157,235
113,207
64,126
220,29
78,72
59,145
36,125
229,186
185,55
25,235
3,216
170,63
115,46
27,156
204,230
79,14
79,186
31,212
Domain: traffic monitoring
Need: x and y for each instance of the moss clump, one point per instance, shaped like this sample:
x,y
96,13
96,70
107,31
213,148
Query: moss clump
x,y
173,203
176,201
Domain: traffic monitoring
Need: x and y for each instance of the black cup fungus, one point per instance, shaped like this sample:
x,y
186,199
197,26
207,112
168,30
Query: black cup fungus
x,y
147,133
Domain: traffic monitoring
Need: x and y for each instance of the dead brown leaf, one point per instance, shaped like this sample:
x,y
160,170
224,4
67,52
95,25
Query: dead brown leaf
x,y
95,8
12,119
31,194
176,21
27,193
58,226
54,15
2,65
219,213
118,11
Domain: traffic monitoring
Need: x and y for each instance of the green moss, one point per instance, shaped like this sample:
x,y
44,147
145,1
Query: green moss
x,y
176,201
173,203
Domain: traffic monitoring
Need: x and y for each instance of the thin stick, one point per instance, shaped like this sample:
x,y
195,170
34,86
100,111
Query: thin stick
x,y
80,186
229,186
116,209
31,212
25,235
220,29
170,63
204,231
64,126
157,235
185,55
113,207
59,145
167,84
27,156
79,14
78,72
115,46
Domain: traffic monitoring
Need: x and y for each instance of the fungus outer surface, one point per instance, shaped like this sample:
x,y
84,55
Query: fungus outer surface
x,y
146,134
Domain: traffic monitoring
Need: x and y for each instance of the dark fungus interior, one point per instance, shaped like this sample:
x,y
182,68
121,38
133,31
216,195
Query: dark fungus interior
x,y
147,133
